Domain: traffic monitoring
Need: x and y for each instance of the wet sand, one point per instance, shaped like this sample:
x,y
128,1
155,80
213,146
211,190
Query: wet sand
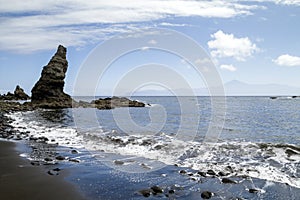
x,y
20,180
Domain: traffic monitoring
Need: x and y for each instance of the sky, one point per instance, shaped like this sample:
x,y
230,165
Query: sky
x,y
255,42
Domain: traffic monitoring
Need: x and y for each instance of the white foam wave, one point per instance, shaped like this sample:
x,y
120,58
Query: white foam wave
x,y
269,162
63,136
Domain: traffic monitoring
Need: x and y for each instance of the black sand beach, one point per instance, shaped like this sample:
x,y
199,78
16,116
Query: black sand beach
x,y
20,180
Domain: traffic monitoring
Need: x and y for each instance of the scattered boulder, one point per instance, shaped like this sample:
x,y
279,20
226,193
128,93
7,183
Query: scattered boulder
x,y
54,172
156,189
74,160
253,190
203,174
60,158
222,174
48,91
211,172
145,192
229,181
206,195
74,151
118,162
290,152
48,159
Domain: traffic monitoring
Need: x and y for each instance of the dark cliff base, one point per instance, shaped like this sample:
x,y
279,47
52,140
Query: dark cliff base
x,y
20,180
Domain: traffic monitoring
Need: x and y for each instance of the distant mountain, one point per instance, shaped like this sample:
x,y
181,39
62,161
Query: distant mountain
x,y
236,88
233,88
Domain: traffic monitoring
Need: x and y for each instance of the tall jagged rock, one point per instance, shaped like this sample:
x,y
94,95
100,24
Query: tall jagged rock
x,y
48,91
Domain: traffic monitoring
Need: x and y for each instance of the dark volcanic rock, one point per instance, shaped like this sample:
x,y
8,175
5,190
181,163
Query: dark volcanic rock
x,y
48,91
291,152
227,180
14,106
157,189
206,195
118,162
211,172
20,94
253,190
115,102
145,192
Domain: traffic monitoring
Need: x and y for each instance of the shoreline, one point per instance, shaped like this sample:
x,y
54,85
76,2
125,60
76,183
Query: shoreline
x,y
97,180
21,180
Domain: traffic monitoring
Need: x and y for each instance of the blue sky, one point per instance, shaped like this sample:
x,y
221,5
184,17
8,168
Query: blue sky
x,y
256,41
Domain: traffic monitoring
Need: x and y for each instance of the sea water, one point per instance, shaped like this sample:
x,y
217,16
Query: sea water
x,y
260,139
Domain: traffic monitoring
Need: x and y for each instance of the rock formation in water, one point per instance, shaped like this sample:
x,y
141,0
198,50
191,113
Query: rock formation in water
x,y
18,94
115,102
48,91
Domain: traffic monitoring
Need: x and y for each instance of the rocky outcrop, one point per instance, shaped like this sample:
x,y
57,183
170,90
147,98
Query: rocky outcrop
x,y
110,103
48,91
18,94
115,102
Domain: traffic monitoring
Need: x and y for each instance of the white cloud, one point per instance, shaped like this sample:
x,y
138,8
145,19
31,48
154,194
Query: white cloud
x,y
288,2
281,2
227,45
228,67
35,25
287,60
38,25
172,24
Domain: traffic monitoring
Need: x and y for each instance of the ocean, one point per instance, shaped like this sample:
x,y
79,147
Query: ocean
x,y
117,153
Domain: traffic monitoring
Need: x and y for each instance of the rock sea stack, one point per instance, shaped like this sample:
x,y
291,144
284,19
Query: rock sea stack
x,y
48,91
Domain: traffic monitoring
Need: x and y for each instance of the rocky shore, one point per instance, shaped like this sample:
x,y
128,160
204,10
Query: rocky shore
x,y
18,94
47,93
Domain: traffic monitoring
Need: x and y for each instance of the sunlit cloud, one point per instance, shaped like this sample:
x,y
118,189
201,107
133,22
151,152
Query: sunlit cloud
x,y
227,45
287,60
